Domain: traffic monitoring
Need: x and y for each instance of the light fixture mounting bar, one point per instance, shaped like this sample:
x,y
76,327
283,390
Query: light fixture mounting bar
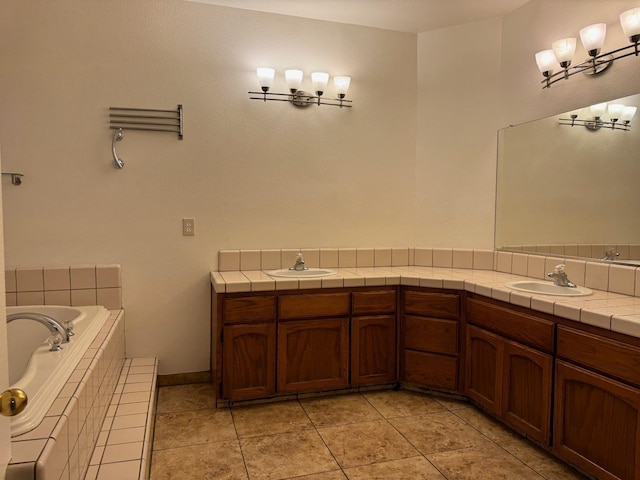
x,y
594,124
593,64
300,99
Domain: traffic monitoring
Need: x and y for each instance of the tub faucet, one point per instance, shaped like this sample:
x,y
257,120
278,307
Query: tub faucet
x,y
560,277
55,327
299,266
610,254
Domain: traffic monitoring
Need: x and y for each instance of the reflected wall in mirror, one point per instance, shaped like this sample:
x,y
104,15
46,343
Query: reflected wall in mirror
x,y
570,191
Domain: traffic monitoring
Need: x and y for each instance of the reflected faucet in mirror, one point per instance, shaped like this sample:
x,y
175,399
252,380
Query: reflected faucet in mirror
x,y
610,254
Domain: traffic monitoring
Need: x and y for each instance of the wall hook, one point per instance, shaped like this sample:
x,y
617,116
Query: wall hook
x,y
117,136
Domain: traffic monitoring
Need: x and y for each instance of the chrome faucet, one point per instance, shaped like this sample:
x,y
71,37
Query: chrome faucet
x,y
610,254
299,266
560,277
55,327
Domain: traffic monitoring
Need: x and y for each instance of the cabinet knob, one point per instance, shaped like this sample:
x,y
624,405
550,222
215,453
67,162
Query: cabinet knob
x,y
12,402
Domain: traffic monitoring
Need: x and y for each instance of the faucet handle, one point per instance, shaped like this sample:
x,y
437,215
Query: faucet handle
x,y
560,268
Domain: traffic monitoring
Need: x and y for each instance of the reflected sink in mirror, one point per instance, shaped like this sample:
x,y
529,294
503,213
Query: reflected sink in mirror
x,y
309,273
548,288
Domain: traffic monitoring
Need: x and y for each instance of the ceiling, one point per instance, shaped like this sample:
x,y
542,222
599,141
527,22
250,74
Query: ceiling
x,y
413,16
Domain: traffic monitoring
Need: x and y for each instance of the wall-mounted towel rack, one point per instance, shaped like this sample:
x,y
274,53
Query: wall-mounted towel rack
x,y
151,120
16,178
147,119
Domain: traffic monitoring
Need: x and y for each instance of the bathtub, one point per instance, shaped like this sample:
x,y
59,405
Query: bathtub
x,y
39,372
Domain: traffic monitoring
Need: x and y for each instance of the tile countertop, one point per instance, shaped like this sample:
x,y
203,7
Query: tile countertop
x,y
608,310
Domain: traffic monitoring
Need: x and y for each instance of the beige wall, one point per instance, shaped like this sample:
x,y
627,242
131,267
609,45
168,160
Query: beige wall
x,y
474,79
253,175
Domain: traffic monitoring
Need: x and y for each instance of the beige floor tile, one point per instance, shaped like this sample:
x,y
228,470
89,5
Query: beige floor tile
x,y
489,427
192,428
365,443
488,462
438,432
286,455
415,468
452,403
540,461
270,419
182,398
212,461
335,475
391,404
339,410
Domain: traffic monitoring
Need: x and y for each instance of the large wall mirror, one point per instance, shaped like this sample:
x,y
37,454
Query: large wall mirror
x,y
570,190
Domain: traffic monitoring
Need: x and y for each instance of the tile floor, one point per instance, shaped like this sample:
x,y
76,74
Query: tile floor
x,y
364,436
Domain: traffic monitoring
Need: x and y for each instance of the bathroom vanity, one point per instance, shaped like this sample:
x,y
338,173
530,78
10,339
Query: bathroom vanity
x,y
571,388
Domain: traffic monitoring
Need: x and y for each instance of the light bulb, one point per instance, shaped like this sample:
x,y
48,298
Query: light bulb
x,y
564,50
592,38
615,111
320,81
342,86
546,61
598,109
630,22
294,79
265,78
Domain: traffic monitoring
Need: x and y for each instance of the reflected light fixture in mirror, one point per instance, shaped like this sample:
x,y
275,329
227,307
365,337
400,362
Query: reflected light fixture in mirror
x,y
592,38
297,96
619,116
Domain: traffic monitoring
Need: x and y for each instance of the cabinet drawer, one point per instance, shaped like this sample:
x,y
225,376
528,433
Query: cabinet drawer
x,y
314,305
379,301
257,309
607,356
431,335
533,331
440,305
431,370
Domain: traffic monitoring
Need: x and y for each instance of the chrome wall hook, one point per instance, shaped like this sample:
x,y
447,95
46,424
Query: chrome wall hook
x,y
117,136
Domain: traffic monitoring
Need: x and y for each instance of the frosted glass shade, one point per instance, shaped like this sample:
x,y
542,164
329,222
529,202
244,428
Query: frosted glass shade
x,y
342,85
614,110
546,61
294,79
265,77
592,37
630,22
628,113
320,81
564,50
598,109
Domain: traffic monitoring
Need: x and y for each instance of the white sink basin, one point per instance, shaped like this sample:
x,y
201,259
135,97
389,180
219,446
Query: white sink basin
x,y
309,273
548,288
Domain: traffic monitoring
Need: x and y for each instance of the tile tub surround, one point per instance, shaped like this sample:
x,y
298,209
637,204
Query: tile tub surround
x,y
614,305
61,447
74,285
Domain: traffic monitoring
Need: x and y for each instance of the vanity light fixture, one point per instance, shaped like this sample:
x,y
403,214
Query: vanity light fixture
x,y
298,97
592,38
619,117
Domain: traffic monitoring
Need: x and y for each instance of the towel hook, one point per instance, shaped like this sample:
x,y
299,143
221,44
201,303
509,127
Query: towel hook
x,y
117,136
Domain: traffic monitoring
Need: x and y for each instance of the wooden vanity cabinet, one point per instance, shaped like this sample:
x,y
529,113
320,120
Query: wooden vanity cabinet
x,y
248,341
597,404
509,366
430,327
373,337
313,341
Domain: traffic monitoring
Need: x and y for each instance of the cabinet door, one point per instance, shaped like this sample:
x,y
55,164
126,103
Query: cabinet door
x,y
483,371
249,357
526,390
597,423
313,354
373,350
